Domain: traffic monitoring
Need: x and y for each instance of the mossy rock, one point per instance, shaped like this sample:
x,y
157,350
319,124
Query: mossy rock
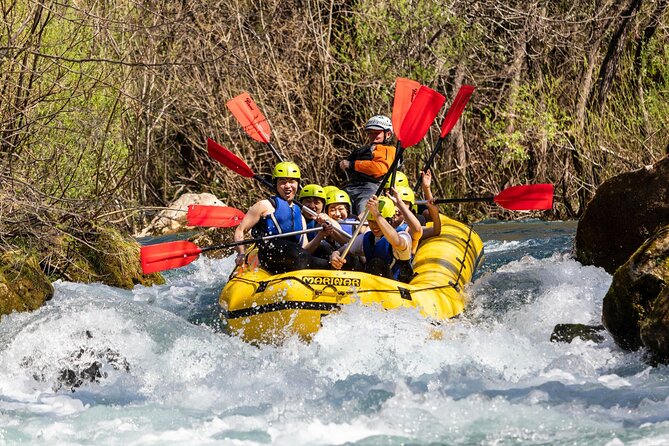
x,y
628,305
23,285
108,257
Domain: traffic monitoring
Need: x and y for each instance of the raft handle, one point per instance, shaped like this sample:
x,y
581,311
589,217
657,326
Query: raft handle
x,y
405,293
262,286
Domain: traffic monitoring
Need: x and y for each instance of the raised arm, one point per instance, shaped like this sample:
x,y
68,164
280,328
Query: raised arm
x,y
432,208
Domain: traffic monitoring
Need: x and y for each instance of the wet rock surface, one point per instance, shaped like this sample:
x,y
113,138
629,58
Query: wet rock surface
x,y
635,308
568,332
625,211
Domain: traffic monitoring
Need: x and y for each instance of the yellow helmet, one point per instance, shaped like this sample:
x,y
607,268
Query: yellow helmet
x,y
286,169
406,194
400,180
386,208
338,196
312,190
329,189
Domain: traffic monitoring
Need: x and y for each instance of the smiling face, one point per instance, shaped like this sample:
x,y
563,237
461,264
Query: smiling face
x,y
338,211
287,188
314,203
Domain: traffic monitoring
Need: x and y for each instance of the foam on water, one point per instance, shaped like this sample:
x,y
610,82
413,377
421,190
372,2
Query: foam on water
x,y
490,376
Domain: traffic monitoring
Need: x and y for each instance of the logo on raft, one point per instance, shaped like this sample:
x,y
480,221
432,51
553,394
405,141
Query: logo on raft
x,y
334,281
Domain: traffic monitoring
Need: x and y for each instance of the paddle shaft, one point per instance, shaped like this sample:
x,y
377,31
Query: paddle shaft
x,y
275,151
429,162
490,199
260,239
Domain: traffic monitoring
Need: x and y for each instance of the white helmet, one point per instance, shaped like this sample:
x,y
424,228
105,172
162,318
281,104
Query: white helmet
x,y
379,122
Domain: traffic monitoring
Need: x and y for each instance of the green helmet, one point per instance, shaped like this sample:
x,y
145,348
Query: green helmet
x,y
312,190
386,208
286,169
400,180
338,196
329,189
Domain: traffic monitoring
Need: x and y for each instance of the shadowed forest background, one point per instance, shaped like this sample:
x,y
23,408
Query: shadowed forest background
x,y
105,107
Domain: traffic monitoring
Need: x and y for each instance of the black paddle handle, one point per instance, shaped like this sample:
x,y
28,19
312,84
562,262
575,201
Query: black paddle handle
x,y
259,239
459,200
429,162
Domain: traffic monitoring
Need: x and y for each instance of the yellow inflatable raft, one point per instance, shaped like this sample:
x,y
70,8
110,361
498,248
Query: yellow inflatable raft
x,y
261,307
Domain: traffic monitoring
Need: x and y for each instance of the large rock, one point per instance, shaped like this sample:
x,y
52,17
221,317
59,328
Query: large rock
x,y
23,285
173,219
109,257
625,211
635,307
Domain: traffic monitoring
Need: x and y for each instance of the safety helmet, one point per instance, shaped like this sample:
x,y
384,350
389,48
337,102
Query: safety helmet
x,y
328,189
400,180
338,196
379,122
386,208
286,169
406,194
312,190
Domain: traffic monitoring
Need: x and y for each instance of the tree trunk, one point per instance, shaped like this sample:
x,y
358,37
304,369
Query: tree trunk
x,y
642,41
609,66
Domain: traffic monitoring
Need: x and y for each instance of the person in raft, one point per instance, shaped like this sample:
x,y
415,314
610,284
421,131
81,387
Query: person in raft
x,y
338,207
277,215
312,196
367,164
387,251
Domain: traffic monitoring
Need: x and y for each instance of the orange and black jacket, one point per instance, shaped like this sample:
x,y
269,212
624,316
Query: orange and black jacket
x,y
370,163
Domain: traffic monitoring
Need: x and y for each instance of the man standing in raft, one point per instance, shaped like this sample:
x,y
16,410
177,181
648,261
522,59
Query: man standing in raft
x,y
278,215
367,165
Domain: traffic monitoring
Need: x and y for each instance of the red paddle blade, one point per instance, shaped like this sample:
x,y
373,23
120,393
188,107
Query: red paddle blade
x,y
250,117
405,92
228,159
215,216
163,256
526,198
420,115
456,108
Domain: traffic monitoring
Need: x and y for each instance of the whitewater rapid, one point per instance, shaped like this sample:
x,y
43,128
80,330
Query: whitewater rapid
x,y
168,374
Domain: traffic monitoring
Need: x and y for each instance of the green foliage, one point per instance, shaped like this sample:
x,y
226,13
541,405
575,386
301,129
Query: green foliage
x,y
535,115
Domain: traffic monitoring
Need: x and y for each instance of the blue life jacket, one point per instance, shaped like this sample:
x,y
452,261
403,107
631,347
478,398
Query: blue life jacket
x,y
349,228
285,218
311,224
384,250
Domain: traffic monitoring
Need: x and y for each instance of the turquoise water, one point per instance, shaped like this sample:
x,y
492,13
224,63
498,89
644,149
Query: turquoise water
x,y
166,375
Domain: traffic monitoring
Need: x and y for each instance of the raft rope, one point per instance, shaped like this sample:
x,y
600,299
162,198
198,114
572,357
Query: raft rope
x,y
456,284
404,292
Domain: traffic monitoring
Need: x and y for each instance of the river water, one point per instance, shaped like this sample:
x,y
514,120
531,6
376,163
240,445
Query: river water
x,y
168,375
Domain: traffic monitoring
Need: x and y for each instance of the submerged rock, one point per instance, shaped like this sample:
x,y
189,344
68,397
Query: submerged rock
x,y
635,308
625,211
569,332
86,363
